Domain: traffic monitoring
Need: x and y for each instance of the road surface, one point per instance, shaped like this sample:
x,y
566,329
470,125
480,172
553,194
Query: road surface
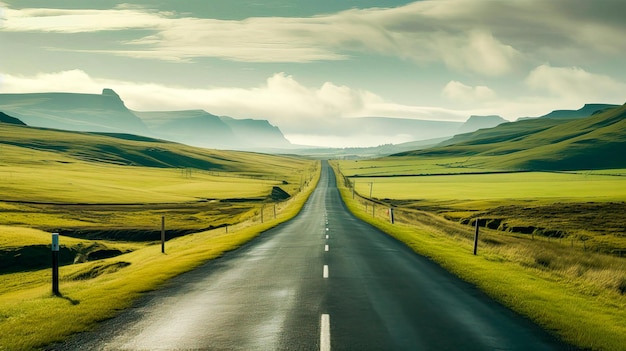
x,y
324,280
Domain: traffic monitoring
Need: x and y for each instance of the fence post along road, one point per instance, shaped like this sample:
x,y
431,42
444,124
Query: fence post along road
x,y
324,280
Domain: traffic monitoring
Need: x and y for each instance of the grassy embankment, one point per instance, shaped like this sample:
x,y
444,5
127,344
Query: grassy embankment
x,y
577,295
78,180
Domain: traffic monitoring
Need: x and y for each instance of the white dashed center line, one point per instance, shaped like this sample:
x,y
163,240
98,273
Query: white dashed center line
x,y
325,271
326,248
325,333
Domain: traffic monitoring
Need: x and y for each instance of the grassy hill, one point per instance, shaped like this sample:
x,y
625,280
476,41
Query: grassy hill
x,y
594,142
51,166
131,150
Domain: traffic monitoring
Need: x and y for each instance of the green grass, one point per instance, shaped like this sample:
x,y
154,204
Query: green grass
x,y
577,295
83,184
30,317
56,166
540,186
595,142
56,180
409,165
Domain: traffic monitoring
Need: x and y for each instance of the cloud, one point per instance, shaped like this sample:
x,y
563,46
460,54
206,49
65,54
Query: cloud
x,y
281,99
479,36
574,83
459,92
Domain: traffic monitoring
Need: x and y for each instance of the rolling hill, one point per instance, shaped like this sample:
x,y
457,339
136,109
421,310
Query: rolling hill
x,y
594,142
585,111
125,149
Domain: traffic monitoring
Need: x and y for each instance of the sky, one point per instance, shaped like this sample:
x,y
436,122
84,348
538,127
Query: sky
x,y
301,64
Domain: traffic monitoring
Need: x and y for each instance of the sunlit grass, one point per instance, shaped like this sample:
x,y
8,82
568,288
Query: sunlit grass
x,y
517,186
30,317
577,295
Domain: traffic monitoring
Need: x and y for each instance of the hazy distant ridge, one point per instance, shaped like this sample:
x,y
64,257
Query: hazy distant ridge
x,y
107,113
78,112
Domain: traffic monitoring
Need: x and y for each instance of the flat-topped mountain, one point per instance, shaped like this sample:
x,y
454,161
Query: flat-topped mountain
x,y
250,132
107,113
480,122
78,112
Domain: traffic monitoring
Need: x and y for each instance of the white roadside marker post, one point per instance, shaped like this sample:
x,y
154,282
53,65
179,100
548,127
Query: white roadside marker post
x,y
55,264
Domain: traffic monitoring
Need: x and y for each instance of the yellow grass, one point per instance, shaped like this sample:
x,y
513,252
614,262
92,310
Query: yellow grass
x,y
575,295
30,317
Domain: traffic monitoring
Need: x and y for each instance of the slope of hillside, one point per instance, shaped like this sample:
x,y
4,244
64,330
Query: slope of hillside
x,y
4,118
585,111
126,149
594,142
475,142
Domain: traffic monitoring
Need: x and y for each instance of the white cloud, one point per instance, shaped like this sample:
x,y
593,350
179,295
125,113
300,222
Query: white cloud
x,y
478,52
459,92
281,99
574,83
479,36
80,21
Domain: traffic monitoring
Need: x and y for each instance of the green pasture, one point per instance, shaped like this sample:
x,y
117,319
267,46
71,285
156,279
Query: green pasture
x,y
540,186
94,183
577,295
31,317
409,165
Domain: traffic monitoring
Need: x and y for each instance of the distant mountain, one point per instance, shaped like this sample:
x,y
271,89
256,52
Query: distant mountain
x,y
593,142
480,122
200,128
107,113
254,132
586,111
4,118
364,152
193,127
78,112
413,129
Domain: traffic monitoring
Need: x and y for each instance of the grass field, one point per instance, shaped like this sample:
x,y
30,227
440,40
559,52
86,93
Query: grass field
x,y
527,186
563,283
88,186
30,317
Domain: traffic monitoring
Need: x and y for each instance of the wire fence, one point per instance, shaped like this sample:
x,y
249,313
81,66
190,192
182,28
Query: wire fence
x,y
384,210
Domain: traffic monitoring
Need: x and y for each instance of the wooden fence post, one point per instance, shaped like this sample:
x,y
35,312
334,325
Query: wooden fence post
x,y
162,234
476,237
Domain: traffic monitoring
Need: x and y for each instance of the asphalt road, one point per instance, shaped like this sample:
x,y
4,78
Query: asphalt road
x,y
324,280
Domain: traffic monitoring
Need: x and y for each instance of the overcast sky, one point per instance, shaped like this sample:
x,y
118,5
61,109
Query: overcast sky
x,y
301,63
